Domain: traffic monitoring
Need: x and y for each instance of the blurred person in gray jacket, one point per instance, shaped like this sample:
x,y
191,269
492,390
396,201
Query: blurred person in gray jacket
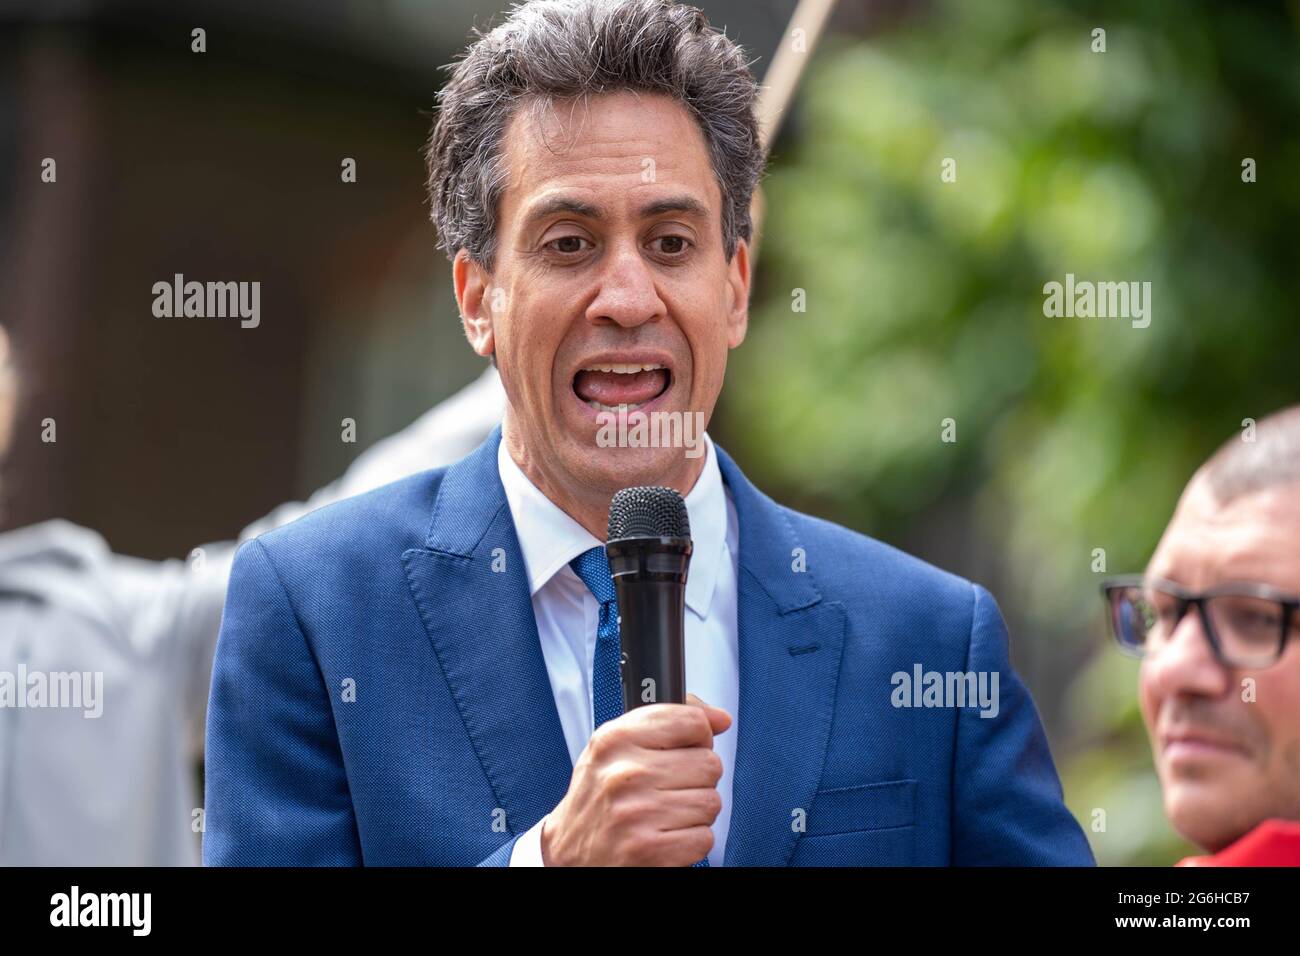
x,y
105,661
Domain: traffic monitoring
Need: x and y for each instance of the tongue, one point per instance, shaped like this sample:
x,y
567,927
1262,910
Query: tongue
x,y
616,388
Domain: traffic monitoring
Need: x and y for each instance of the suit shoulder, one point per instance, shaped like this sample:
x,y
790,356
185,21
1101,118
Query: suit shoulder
x,y
846,563
393,513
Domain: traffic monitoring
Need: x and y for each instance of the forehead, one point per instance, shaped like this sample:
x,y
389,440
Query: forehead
x,y
615,150
1254,537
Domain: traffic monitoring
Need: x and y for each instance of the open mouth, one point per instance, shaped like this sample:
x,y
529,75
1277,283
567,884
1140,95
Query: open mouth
x,y
609,386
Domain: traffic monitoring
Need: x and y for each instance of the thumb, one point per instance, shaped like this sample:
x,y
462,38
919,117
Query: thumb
x,y
719,719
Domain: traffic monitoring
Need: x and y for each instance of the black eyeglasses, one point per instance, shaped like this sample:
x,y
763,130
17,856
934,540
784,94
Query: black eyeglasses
x,y
1246,624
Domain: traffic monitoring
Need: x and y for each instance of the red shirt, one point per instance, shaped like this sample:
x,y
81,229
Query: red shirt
x,y
1272,843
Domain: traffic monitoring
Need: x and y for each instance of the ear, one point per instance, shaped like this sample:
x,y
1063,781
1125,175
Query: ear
x,y
472,285
738,285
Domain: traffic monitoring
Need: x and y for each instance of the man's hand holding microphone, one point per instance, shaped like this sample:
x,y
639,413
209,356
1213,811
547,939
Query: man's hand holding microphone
x,y
644,791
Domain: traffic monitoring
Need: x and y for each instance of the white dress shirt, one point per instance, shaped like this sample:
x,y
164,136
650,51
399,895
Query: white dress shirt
x,y
567,614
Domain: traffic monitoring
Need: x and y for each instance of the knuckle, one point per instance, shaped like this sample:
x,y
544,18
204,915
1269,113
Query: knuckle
x,y
624,775
715,766
702,843
702,724
713,803
604,741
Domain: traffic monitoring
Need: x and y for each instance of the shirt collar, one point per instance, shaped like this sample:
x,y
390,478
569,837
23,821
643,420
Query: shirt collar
x,y
549,538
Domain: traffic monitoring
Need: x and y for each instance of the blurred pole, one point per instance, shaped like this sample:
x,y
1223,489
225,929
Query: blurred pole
x,y
778,87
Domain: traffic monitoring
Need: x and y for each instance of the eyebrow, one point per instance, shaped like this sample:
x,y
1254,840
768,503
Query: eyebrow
x,y
553,204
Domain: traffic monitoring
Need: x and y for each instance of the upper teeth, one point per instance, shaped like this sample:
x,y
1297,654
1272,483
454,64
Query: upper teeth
x,y
623,368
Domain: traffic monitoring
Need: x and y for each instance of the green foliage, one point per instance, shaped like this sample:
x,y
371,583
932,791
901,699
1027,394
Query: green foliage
x,y
925,302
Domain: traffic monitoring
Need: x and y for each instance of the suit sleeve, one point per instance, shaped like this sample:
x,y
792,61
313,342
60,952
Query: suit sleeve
x,y
1007,803
276,792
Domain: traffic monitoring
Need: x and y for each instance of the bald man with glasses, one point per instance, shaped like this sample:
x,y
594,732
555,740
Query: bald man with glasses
x,y
1216,621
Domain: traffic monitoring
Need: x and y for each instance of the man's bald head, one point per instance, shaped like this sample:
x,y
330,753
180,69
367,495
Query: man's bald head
x,y
1268,457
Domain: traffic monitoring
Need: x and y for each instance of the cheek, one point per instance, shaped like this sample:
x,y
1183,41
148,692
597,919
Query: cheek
x,y
531,336
1275,712
709,350
1149,695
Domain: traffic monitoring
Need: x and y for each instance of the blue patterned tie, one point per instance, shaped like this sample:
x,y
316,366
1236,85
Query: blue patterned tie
x,y
606,687
606,683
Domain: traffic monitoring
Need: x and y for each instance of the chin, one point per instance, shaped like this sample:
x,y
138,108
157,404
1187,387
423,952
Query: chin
x,y
613,469
1209,815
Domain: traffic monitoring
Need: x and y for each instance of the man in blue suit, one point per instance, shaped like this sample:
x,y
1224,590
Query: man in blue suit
x,y
427,674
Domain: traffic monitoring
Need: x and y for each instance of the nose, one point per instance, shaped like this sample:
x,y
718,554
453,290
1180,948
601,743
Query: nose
x,y
1185,664
627,294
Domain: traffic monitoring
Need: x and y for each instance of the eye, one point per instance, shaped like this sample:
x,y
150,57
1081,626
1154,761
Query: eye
x,y
1162,610
678,245
568,248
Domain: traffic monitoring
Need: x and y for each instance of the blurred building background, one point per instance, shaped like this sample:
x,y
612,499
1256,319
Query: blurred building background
x,y
924,298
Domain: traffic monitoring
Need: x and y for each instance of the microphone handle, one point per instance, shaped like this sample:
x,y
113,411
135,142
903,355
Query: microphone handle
x,y
650,581
652,632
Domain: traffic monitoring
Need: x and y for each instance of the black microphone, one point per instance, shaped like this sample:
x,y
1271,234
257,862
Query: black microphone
x,y
649,552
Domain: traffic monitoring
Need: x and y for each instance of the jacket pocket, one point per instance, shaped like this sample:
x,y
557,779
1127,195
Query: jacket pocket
x,y
863,807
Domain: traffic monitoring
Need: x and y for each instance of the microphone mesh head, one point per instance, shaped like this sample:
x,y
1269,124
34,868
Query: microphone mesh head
x,y
648,512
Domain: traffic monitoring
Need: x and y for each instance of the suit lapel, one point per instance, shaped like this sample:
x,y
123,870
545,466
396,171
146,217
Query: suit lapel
x,y
790,648
480,622
472,593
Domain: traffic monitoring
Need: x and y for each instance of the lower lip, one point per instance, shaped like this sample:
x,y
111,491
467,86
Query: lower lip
x,y
1179,751
593,414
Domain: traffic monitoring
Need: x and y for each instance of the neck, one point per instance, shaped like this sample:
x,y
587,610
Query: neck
x,y
585,503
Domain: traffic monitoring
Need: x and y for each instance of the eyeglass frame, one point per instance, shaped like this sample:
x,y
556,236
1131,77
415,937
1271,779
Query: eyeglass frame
x,y
1187,598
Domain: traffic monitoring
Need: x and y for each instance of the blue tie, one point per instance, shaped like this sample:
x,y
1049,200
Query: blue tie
x,y
606,686
606,683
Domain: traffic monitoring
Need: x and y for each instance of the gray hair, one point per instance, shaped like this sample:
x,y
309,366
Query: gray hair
x,y
1240,467
552,50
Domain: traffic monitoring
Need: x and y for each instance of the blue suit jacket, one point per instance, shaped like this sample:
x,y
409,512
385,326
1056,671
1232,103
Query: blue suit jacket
x,y
379,696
